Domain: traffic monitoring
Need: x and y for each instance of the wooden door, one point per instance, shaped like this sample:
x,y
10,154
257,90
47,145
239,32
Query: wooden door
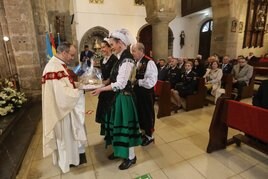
x,y
205,39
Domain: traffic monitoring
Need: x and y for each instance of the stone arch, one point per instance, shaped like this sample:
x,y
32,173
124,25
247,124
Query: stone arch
x,y
148,41
89,38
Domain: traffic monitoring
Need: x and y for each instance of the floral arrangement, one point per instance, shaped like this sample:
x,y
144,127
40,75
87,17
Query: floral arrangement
x,y
10,98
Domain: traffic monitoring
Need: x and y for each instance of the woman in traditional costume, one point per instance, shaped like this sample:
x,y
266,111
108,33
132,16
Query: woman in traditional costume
x,y
122,124
106,97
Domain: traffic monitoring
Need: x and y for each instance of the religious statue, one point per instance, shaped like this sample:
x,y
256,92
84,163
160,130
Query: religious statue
x,y
182,37
260,21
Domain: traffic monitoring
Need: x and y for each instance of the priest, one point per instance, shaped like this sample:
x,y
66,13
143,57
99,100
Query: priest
x,y
63,108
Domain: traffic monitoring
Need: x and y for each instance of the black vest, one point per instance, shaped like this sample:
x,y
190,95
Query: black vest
x,y
125,56
141,69
107,67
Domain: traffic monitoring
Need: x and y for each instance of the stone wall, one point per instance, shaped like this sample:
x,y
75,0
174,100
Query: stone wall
x,y
26,22
5,51
23,41
224,41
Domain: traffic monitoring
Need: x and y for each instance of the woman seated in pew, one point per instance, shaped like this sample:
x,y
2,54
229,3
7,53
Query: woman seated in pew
x,y
185,87
213,78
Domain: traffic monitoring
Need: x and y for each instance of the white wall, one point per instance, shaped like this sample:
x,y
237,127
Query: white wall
x,y
191,25
111,15
115,14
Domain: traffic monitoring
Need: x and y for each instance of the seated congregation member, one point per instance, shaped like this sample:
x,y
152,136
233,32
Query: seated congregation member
x,y
261,97
174,73
63,111
122,129
181,63
146,78
105,98
226,66
162,70
199,68
209,61
213,78
199,57
242,73
251,57
187,86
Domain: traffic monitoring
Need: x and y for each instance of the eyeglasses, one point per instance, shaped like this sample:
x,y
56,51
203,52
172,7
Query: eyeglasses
x,y
72,55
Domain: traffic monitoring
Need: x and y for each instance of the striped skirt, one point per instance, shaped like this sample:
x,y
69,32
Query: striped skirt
x,y
122,126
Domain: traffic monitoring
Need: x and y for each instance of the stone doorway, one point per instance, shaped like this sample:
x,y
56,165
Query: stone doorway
x,y
145,37
93,36
205,38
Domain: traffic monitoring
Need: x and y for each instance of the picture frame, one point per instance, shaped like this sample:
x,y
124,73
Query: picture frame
x,y
240,27
96,1
139,2
234,26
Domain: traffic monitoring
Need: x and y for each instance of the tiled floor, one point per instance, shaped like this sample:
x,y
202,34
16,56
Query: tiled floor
x,y
179,152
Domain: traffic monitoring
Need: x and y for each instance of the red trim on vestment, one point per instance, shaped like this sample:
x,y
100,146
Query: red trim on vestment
x,y
57,76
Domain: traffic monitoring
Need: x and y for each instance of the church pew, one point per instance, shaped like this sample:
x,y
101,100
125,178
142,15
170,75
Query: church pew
x,y
196,100
162,93
247,91
250,119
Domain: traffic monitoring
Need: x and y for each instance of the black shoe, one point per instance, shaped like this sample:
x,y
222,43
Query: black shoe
x,y
112,157
72,166
146,141
127,163
83,158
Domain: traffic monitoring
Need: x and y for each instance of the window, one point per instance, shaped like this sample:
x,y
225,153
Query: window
x,y
207,26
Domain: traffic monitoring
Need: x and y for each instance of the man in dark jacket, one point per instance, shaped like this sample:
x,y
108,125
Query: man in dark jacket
x,y
226,66
86,55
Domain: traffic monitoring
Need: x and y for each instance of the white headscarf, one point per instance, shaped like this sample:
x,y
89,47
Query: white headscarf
x,y
106,39
124,35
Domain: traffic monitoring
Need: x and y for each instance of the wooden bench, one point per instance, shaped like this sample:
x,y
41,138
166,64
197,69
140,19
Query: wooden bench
x,y
250,119
191,102
196,100
162,93
261,68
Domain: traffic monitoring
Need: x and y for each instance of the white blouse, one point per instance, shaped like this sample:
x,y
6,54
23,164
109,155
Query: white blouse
x,y
124,74
150,76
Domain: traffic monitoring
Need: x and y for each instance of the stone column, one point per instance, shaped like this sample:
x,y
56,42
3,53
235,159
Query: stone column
x,y
159,14
23,43
223,41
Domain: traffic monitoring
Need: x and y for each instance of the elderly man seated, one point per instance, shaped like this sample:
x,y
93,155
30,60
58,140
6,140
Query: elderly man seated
x,y
242,73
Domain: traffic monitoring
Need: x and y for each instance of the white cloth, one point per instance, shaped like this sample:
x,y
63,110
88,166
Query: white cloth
x,y
150,76
61,104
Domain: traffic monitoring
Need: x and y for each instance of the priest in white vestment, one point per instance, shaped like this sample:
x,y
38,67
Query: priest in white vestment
x,y
63,107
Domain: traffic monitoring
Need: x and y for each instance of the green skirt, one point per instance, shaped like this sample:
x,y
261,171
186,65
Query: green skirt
x,y
122,129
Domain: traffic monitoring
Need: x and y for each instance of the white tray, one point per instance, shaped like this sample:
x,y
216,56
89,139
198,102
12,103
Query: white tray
x,y
91,87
